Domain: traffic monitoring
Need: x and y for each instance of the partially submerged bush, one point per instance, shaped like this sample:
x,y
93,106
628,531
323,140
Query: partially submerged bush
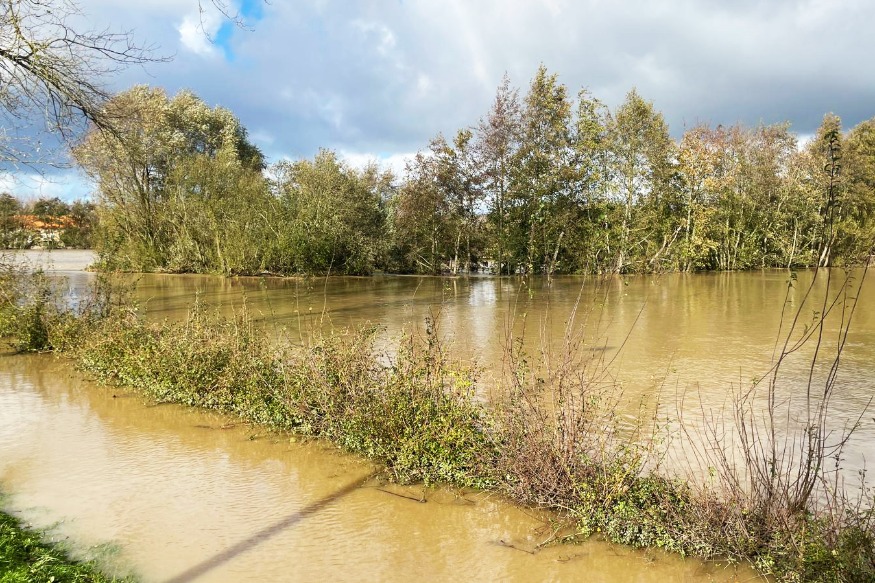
x,y
36,315
415,415
26,307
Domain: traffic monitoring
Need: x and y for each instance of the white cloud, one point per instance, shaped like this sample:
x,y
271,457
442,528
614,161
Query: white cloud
x,y
67,185
394,162
197,30
378,34
192,37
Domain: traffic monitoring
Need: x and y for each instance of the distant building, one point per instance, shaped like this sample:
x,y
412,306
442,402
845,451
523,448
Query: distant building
x,y
43,233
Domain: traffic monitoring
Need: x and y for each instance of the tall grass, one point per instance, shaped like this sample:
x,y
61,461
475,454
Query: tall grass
x,y
553,433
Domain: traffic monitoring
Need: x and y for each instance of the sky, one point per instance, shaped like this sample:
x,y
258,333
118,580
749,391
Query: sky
x,y
377,79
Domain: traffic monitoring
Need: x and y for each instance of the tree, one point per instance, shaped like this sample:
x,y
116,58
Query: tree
x,y
827,149
138,171
53,75
422,216
701,156
48,208
333,218
641,153
9,225
859,230
459,181
9,205
495,150
542,174
83,219
587,210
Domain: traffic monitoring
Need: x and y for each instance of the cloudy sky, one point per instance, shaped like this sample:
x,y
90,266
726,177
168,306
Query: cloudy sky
x,y
378,78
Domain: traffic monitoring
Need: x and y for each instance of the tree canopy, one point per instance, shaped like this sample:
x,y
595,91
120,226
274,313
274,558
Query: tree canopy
x,y
546,182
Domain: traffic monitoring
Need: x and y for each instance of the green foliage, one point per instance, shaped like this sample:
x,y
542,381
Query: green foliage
x,y
597,191
331,217
416,415
539,194
26,558
26,306
48,208
83,216
66,225
36,317
543,184
171,167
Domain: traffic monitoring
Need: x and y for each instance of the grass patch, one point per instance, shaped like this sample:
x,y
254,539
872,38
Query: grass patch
x,y
25,557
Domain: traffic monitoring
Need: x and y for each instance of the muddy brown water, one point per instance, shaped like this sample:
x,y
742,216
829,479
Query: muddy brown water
x,y
181,495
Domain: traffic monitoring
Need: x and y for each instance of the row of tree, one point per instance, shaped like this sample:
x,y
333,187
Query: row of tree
x,y
544,183
550,184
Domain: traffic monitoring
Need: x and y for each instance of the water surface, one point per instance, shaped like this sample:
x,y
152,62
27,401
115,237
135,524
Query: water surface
x,y
190,496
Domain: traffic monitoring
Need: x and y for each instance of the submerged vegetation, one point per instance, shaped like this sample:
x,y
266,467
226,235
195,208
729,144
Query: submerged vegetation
x,y
553,432
25,557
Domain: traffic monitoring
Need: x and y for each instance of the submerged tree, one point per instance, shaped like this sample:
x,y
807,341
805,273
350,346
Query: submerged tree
x,y
543,173
497,142
641,154
162,156
331,217
422,216
857,229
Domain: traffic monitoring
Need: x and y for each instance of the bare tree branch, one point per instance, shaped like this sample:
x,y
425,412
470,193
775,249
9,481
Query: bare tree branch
x,y
52,75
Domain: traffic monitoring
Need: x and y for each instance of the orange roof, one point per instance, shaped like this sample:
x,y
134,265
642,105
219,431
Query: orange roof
x,y
33,222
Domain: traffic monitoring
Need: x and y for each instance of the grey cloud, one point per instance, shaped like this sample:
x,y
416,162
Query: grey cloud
x,y
382,78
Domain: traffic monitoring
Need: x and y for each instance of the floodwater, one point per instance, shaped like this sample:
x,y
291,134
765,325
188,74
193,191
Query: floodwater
x,y
181,495
185,495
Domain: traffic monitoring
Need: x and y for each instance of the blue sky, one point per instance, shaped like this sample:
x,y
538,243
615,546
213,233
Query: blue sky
x,y
378,78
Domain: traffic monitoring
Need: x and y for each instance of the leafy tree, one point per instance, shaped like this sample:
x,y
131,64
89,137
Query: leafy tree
x,y
460,182
10,236
138,170
9,205
587,210
333,217
859,225
216,211
49,208
495,151
702,166
641,153
422,216
83,219
541,190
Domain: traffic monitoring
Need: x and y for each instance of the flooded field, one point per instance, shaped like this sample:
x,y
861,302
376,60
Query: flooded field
x,y
181,495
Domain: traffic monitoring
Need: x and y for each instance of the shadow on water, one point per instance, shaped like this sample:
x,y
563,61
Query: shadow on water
x,y
263,535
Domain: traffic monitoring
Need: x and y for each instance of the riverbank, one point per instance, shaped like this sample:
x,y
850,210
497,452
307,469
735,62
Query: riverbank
x,y
417,416
26,557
